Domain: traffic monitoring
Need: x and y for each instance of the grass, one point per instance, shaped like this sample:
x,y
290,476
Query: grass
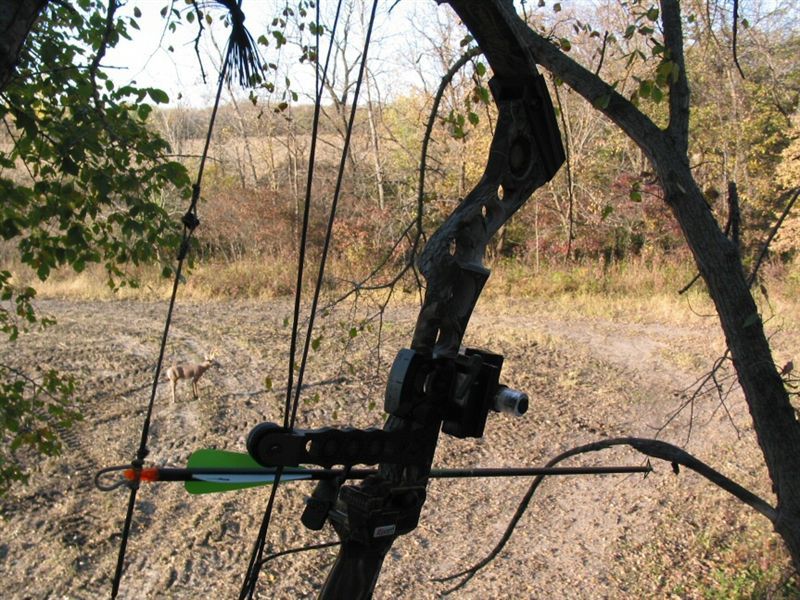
x,y
207,281
752,565
752,582
734,556
633,291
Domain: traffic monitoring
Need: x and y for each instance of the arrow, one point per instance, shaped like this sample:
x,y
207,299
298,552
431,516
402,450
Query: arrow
x,y
236,471
210,471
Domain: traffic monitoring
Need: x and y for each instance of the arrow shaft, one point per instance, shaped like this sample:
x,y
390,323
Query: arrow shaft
x,y
262,475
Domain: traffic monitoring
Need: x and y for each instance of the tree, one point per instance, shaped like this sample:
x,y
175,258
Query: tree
x,y
16,20
82,182
87,197
718,257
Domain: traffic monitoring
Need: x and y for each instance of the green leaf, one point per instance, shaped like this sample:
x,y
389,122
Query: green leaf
x,y
158,96
565,44
268,383
315,343
144,110
280,39
607,210
657,94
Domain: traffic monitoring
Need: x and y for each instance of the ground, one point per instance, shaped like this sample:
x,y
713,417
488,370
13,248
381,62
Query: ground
x,y
664,536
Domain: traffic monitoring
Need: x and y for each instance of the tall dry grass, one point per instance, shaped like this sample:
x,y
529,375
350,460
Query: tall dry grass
x,y
632,290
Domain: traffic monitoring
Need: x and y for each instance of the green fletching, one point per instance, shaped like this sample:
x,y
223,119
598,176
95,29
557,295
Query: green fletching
x,y
221,459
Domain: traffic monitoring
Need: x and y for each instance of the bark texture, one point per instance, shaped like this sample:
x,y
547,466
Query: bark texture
x,y
717,258
16,19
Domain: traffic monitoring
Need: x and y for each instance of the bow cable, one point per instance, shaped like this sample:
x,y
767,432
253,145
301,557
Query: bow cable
x,y
248,588
332,216
254,565
190,222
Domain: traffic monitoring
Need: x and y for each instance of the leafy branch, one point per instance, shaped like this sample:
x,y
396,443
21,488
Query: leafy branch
x,y
94,193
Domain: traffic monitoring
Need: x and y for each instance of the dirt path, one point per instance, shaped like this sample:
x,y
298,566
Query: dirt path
x,y
600,537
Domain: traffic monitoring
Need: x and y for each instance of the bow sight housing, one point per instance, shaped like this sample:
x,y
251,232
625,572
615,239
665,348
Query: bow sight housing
x,y
458,392
462,390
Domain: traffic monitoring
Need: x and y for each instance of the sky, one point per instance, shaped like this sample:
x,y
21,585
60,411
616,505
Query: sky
x,y
148,60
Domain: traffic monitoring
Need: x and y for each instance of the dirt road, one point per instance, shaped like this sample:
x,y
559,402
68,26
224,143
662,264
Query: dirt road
x,y
590,537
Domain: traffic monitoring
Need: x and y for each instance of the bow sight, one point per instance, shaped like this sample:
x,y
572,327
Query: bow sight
x,y
458,392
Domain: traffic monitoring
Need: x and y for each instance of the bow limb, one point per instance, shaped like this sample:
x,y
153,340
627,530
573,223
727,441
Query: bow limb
x,y
525,153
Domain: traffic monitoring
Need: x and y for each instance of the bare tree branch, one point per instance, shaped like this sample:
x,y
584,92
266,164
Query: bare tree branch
x,y
765,248
652,448
733,226
735,36
437,98
678,128
602,54
568,163
605,98
101,50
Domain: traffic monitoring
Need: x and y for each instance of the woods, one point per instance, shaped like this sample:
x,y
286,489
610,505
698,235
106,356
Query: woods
x,y
681,142
608,201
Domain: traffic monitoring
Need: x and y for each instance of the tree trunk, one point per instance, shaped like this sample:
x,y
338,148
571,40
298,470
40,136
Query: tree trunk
x,y
246,138
774,419
376,151
717,258
16,20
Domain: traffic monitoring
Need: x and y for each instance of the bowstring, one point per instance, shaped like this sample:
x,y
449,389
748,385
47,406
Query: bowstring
x,y
255,564
332,215
190,222
319,85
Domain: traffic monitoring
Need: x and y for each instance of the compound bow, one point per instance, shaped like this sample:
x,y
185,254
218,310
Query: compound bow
x,y
435,384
